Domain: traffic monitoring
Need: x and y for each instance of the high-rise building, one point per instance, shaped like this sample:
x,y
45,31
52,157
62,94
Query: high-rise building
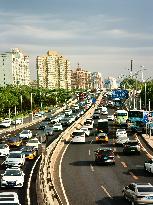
x,y
53,71
96,80
83,79
80,78
14,68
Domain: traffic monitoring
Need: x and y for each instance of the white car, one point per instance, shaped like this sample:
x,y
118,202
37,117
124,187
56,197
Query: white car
x,y
4,150
55,120
110,117
25,134
89,123
57,127
86,130
33,142
121,140
121,132
15,159
9,198
5,123
148,165
18,121
37,114
12,177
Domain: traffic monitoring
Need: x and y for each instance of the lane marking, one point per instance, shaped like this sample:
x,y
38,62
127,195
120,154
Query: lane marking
x,y
91,141
107,193
60,176
118,156
124,164
134,176
92,168
115,149
89,152
29,181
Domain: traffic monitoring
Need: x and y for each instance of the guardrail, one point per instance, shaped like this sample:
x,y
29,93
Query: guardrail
x,y
46,192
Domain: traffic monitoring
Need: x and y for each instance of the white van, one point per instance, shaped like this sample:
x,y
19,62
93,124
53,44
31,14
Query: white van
x,y
78,136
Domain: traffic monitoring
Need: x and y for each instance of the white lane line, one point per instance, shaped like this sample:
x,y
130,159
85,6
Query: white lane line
x,y
92,168
134,176
115,149
107,193
118,156
124,164
89,152
91,141
60,176
29,181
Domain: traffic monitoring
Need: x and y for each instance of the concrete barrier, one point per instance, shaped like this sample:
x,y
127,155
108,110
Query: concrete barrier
x,y
46,191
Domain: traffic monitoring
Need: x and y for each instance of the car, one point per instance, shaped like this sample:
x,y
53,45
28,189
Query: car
x,y
48,131
42,126
138,193
33,142
57,127
5,123
4,150
121,132
104,155
48,119
96,115
37,114
15,159
12,177
25,134
101,137
131,146
89,123
68,112
14,141
86,130
17,121
110,117
9,198
121,140
30,152
66,121
55,120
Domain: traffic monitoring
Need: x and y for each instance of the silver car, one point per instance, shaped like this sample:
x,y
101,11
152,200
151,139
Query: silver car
x,y
139,193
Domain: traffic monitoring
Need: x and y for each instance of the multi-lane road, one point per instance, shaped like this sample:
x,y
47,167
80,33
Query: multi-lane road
x,y
83,182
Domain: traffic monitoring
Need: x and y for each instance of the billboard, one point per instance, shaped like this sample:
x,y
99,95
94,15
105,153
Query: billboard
x,y
121,94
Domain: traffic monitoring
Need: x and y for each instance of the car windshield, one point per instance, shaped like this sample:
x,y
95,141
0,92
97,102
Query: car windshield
x,y
25,132
120,130
105,152
8,202
12,173
2,146
145,189
57,124
132,143
14,155
13,139
27,148
33,141
77,133
87,122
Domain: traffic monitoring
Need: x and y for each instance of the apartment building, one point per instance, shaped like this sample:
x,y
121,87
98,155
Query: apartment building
x,y
53,71
14,68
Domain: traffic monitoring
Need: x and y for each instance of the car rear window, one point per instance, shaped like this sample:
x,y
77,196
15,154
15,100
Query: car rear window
x,y
145,189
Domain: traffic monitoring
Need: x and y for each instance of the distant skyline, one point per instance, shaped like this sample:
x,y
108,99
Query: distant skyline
x,y
100,35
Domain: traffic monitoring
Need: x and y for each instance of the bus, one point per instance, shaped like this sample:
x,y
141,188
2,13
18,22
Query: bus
x,y
102,126
138,116
78,136
121,117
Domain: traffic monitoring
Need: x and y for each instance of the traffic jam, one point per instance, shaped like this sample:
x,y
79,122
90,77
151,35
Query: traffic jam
x,y
19,149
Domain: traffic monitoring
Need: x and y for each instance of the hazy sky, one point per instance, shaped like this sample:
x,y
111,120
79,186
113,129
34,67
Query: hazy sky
x,y
102,35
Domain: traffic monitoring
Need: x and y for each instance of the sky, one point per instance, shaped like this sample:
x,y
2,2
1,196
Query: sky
x,y
100,35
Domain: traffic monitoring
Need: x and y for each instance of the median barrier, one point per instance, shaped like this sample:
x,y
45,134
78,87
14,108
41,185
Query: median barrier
x,y
46,192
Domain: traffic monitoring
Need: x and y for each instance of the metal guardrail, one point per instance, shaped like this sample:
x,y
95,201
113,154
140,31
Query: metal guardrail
x,y
46,192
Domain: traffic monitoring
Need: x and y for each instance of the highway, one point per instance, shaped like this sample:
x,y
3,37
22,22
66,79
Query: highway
x,y
86,183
